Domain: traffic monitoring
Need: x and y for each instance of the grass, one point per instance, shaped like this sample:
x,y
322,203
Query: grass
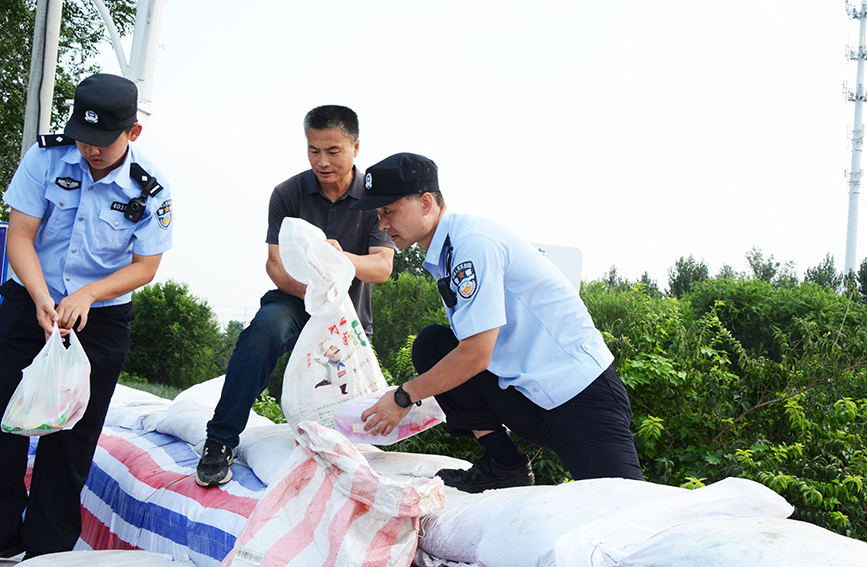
x,y
161,390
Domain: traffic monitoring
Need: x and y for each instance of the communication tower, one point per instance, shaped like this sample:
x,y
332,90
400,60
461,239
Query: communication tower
x,y
857,96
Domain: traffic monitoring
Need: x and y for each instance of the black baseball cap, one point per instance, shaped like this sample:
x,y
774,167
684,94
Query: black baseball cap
x,y
395,177
105,106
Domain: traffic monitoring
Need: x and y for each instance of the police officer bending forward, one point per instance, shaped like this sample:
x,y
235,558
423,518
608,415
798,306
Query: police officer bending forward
x,y
522,352
88,225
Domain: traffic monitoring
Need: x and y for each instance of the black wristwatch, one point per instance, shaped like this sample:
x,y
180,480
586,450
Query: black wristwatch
x,y
402,399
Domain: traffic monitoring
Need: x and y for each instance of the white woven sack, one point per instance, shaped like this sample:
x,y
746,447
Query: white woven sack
x,y
332,361
331,508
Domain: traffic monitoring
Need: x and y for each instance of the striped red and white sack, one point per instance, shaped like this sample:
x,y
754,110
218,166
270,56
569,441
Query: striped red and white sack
x,y
331,508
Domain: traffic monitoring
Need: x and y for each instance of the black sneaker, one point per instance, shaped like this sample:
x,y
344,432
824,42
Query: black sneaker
x,y
488,473
213,467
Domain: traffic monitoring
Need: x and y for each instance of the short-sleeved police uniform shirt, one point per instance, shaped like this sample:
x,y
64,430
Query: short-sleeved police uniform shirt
x,y
301,197
84,236
547,346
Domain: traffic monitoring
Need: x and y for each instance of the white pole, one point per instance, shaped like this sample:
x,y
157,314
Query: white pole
x,y
850,265
113,36
43,66
142,60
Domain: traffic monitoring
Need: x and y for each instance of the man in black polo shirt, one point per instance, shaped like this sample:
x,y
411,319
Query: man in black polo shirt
x,y
322,196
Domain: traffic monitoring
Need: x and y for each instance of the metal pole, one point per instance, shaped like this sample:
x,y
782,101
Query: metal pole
x,y
850,265
43,60
113,36
142,60
143,57
43,66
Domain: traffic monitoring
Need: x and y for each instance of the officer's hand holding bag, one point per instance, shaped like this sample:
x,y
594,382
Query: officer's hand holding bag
x,y
53,392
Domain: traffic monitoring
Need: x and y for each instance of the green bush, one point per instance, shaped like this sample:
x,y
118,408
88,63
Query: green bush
x,y
403,306
737,378
780,399
174,336
754,311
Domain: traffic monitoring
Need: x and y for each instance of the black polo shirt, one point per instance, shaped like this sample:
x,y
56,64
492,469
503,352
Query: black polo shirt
x,y
301,197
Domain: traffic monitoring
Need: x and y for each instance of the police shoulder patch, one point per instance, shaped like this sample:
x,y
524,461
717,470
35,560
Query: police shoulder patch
x,y
464,278
164,213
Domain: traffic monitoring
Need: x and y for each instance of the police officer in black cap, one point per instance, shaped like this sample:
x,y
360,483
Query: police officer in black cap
x,y
90,218
521,355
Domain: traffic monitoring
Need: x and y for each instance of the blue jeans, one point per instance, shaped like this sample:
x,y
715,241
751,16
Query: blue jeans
x,y
272,333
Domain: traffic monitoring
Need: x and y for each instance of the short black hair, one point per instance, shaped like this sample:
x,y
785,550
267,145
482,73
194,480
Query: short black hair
x,y
436,194
333,116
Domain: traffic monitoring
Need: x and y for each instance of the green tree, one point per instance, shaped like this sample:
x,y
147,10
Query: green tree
x,y
862,277
403,306
763,269
685,273
726,273
410,260
825,274
173,336
614,282
81,33
223,349
649,286
767,270
787,276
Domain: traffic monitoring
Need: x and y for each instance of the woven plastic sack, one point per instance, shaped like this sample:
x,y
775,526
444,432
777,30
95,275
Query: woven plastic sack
x,y
347,419
332,361
53,392
331,508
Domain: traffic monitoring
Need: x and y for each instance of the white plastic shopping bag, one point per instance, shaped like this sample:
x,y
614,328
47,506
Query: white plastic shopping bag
x,y
53,392
347,419
330,508
332,361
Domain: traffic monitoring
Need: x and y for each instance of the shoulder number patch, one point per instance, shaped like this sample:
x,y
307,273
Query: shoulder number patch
x,y
464,278
164,213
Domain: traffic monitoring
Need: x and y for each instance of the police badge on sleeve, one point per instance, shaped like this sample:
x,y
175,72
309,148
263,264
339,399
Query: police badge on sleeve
x,y
164,213
464,278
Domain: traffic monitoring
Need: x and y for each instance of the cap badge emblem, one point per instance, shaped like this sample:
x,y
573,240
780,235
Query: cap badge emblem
x,y
90,116
368,181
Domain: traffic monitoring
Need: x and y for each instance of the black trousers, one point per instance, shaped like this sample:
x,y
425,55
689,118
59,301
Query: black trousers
x,y
63,459
590,433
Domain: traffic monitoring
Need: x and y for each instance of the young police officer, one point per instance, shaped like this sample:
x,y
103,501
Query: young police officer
x,y
522,352
88,225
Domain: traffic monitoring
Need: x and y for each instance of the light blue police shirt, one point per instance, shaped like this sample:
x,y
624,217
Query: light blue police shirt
x,y
547,346
84,236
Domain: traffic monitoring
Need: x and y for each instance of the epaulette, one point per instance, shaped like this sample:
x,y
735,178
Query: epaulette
x,y
149,184
54,140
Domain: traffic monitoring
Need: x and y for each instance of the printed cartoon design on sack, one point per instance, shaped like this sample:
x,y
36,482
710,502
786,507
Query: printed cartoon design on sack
x,y
334,363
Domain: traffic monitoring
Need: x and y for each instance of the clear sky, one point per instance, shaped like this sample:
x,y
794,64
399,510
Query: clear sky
x,y
636,131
